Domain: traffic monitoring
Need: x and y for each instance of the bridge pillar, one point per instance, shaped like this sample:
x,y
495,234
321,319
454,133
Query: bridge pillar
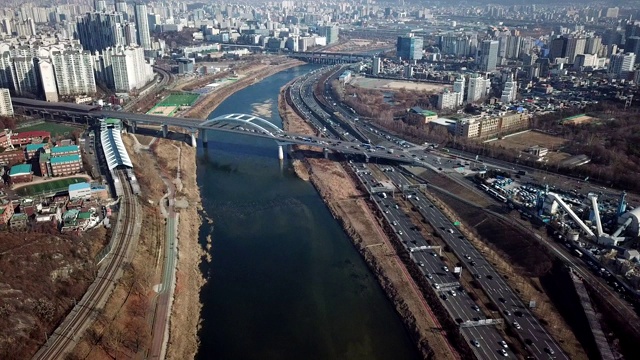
x,y
194,140
132,127
280,153
325,152
165,130
203,137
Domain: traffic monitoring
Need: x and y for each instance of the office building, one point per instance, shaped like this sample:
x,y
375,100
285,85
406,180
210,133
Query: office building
x,y
488,55
574,46
409,47
377,66
632,45
142,25
6,108
593,46
585,60
556,48
621,64
477,88
74,72
98,31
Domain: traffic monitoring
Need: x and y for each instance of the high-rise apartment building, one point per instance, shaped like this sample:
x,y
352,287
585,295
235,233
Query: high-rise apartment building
x,y
510,91
74,72
574,46
121,7
488,55
123,68
98,31
593,46
7,78
6,108
330,32
26,81
409,47
142,25
459,87
477,88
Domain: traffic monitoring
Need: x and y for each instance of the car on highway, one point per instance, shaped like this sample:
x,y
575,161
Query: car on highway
x,y
445,268
504,353
503,344
452,293
467,257
450,231
549,350
476,308
400,232
429,276
444,296
516,325
421,263
502,300
475,343
507,313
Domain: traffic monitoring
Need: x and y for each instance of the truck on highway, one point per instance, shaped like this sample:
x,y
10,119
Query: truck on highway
x,y
522,172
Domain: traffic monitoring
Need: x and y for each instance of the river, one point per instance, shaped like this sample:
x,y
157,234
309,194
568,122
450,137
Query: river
x,y
284,281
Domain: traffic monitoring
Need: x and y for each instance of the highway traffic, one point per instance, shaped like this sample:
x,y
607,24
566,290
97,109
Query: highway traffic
x,y
485,340
515,313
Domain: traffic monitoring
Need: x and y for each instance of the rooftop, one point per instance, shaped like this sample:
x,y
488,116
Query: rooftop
x,y
21,169
79,186
65,149
34,147
65,159
419,110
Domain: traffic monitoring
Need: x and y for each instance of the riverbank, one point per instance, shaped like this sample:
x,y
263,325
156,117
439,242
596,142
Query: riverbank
x,y
204,106
349,206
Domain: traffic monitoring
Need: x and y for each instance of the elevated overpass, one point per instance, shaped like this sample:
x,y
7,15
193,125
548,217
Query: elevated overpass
x,y
244,124
329,57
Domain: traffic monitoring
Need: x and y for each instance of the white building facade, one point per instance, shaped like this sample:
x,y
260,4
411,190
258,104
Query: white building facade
x,y
74,72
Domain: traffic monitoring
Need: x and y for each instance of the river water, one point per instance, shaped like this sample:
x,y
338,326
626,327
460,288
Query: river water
x,y
284,281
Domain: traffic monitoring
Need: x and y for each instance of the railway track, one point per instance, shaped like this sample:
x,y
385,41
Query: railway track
x,y
66,336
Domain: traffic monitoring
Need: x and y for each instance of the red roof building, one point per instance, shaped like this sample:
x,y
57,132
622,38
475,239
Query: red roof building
x,y
29,137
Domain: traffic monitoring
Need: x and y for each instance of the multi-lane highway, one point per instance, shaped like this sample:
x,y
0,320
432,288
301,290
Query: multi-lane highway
x,y
485,340
515,313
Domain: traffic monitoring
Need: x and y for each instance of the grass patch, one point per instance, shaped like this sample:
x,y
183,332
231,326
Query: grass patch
x,y
54,128
186,99
49,186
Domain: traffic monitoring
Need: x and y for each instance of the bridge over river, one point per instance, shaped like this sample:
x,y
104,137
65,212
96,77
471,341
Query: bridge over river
x,y
244,124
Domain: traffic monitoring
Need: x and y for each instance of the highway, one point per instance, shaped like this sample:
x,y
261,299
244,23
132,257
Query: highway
x,y
66,336
440,274
529,329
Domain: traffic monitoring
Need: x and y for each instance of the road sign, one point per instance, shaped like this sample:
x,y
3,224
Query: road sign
x,y
457,270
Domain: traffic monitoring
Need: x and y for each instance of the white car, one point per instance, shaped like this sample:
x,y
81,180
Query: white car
x,y
503,344
504,353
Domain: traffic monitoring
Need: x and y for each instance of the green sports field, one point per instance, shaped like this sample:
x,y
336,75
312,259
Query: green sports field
x,y
186,99
54,128
49,187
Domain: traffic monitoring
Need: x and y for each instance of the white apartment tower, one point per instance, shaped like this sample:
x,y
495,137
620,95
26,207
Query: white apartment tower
x,y
377,65
142,25
129,69
510,91
459,87
477,88
74,72
6,108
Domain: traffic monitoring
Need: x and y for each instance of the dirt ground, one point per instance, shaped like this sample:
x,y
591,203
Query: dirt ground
x,y
123,329
386,84
523,141
347,203
204,106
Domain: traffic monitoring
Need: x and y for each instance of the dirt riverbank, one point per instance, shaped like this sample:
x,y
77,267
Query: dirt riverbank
x,y
348,204
203,107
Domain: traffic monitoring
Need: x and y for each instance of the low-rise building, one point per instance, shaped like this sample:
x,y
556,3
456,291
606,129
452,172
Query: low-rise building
x,y
29,137
33,150
80,191
449,100
65,150
538,151
44,164
19,221
420,115
11,157
65,165
20,173
487,126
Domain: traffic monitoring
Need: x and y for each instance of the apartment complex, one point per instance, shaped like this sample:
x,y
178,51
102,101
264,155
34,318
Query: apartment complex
x,y
484,127
123,68
74,72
